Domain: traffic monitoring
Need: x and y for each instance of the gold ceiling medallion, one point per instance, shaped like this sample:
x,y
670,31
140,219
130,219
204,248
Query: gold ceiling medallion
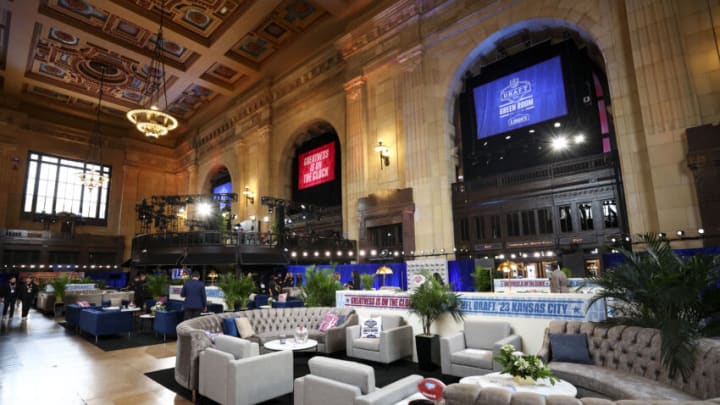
x,y
154,122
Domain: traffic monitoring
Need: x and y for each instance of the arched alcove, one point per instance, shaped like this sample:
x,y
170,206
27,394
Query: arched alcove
x,y
539,176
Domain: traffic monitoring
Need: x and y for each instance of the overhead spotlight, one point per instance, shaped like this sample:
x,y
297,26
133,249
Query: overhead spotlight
x,y
661,235
373,252
316,254
628,239
351,253
613,240
557,124
532,131
293,254
508,137
579,138
680,233
362,253
204,209
327,253
701,231
305,254
559,143
339,253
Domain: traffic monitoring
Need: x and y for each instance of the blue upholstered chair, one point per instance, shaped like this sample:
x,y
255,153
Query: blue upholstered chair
x,y
72,315
258,301
292,302
166,322
99,323
216,308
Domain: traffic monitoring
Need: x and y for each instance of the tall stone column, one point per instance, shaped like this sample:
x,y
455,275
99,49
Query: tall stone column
x,y
354,152
426,160
668,106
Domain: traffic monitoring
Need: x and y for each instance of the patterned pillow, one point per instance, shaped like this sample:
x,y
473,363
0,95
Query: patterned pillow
x,y
212,335
83,304
329,320
282,297
370,327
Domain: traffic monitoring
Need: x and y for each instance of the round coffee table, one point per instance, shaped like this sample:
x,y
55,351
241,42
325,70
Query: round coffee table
x,y
543,387
291,345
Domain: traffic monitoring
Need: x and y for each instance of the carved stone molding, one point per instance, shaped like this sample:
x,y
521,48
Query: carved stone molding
x,y
410,59
353,88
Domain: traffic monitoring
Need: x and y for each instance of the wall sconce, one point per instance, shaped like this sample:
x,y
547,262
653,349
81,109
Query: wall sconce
x,y
249,196
384,153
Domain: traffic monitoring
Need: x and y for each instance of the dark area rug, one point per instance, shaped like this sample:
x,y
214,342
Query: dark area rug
x,y
109,343
384,375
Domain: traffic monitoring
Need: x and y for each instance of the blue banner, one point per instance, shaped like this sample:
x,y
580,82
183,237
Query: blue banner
x,y
526,97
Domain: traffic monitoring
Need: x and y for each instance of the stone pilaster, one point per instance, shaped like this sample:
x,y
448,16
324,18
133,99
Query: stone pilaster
x,y
668,105
355,150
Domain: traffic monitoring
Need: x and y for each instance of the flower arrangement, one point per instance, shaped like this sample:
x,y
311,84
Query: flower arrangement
x,y
525,368
159,305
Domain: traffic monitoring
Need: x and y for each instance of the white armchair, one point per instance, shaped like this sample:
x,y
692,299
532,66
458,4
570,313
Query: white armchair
x,y
395,341
471,352
342,382
233,372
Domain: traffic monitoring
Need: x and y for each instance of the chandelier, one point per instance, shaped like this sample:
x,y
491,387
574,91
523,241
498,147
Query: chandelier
x,y
92,175
153,122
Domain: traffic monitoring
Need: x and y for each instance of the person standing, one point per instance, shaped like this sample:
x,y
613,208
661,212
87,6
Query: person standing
x,y
558,281
195,298
27,295
9,294
138,287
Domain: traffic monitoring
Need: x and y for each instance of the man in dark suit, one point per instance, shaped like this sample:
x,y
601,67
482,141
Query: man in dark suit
x,y
27,295
195,298
9,294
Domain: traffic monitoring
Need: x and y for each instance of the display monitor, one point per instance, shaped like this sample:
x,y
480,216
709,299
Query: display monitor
x,y
526,97
316,166
224,188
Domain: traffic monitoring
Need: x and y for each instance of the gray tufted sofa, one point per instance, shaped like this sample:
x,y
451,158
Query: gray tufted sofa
x,y
471,394
627,365
268,325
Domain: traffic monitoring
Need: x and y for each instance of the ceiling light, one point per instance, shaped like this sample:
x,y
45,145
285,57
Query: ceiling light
x,y
557,124
701,231
508,137
532,131
559,143
579,138
153,122
680,233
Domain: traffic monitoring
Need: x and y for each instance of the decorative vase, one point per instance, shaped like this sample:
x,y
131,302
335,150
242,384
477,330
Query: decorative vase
x,y
519,380
301,334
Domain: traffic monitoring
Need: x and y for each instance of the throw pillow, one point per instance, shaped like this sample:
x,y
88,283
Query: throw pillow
x,y
282,297
211,335
341,320
83,304
245,330
329,320
229,327
570,348
371,327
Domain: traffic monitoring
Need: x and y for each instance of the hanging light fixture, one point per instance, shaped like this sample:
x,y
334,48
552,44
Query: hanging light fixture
x,y
153,121
93,174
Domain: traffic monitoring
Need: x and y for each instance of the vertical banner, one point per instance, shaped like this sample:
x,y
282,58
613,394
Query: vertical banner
x,y
415,268
316,166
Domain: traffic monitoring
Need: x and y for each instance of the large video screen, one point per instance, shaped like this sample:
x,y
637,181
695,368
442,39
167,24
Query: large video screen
x,y
316,166
224,188
526,97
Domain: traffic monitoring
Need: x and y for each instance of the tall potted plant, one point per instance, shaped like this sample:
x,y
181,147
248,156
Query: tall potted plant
x,y
59,284
157,285
236,289
482,279
658,289
367,280
320,287
429,301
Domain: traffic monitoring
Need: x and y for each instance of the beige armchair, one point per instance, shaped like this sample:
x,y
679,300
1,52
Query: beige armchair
x,y
342,382
233,372
394,343
471,351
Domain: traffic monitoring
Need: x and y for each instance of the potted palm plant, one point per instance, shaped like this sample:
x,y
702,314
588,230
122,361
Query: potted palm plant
x,y
236,290
658,289
157,285
320,287
429,301
367,280
59,284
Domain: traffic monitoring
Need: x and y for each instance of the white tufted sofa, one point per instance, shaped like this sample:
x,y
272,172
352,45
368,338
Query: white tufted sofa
x,y
268,325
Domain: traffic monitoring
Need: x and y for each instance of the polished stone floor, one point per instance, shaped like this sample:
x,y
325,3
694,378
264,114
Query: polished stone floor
x,y
43,363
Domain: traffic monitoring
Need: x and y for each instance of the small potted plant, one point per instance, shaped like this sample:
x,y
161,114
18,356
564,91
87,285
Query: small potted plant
x,y
525,369
367,280
429,301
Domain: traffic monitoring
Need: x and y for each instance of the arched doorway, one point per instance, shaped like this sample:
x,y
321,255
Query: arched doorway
x,y
539,177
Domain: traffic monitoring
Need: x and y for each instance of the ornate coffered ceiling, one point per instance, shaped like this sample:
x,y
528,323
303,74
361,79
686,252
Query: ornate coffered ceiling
x,y
52,53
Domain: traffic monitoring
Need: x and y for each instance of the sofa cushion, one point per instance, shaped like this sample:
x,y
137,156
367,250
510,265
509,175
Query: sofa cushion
x,y
329,320
616,384
569,348
483,334
391,321
473,358
348,372
367,344
229,327
244,328
370,327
